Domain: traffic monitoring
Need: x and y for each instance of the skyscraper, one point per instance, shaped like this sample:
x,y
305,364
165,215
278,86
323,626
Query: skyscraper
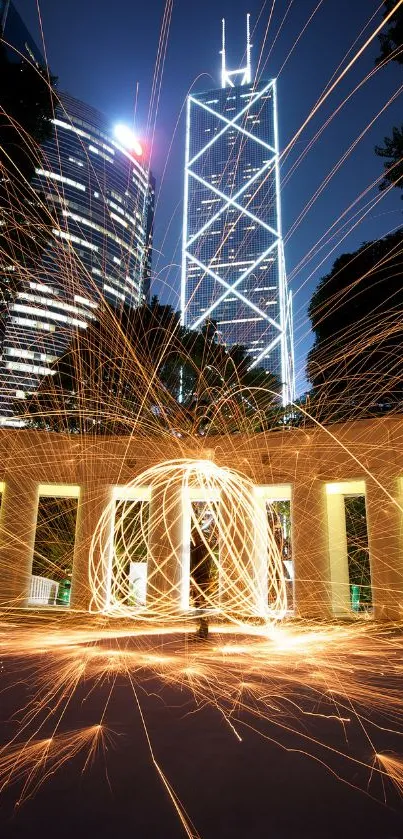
x,y
16,38
233,269
100,195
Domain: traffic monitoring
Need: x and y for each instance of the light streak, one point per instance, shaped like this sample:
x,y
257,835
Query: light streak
x,y
233,289
274,679
253,678
393,766
249,576
341,75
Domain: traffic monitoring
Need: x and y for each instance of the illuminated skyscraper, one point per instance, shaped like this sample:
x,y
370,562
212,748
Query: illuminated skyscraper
x,y
233,269
100,195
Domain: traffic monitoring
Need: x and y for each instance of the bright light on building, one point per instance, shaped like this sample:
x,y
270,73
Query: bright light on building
x,y
125,136
233,267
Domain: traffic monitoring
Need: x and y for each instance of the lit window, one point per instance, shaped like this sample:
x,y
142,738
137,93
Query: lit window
x,y
115,293
34,324
55,177
84,300
100,153
28,368
69,236
28,310
120,220
77,162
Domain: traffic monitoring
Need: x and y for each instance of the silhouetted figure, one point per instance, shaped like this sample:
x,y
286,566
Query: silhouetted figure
x,y
200,575
202,630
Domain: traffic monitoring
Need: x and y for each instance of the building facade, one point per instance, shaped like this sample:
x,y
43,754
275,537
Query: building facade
x,y
316,471
17,39
233,269
100,200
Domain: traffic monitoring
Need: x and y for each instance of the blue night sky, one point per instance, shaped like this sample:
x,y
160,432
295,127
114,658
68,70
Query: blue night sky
x,y
101,50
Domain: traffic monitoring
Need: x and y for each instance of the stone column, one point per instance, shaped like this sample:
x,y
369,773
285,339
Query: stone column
x,y
165,549
242,558
384,523
261,558
19,509
338,556
310,550
94,499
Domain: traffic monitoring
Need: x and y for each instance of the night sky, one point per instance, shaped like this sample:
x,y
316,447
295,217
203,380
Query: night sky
x,y
101,50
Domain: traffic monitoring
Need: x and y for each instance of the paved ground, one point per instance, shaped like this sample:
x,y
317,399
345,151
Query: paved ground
x,y
230,789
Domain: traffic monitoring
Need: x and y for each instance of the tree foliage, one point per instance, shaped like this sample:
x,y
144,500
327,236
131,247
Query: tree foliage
x,y
392,39
54,538
392,48
140,371
357,547
392,151
356,363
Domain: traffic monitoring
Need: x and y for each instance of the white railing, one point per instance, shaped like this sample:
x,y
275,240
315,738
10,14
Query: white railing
x,y
138,582
42,592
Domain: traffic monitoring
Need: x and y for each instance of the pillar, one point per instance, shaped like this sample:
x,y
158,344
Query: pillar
x,y
94,499
310,550
19,509
165,549
384,523
261,558
338,555
242,556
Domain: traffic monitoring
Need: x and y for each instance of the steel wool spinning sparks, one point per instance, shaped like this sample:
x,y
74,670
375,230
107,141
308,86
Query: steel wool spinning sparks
x,y
103,574
170,512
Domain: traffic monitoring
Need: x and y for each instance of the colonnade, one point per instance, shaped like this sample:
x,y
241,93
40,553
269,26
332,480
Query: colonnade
x,y
314,470
319,547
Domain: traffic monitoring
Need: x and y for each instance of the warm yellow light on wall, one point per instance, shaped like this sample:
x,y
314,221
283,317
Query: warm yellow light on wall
x,y
277,492
58,491
346,488
130,493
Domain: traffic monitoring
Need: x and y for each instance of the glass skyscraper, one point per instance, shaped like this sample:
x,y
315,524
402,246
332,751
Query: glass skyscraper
x,y
15,36
100,199
233,269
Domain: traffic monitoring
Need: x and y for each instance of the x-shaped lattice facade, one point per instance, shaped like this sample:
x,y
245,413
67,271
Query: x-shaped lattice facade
x,y
233,264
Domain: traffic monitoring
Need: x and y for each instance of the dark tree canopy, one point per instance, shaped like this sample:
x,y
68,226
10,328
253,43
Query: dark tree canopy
x,y
392,47
356,363
392,151
392,39
139,371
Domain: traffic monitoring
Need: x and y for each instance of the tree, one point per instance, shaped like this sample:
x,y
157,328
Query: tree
x,y
392,40
356,363
220,392
139,371
392,150
392,47
110,379
357,547
54,538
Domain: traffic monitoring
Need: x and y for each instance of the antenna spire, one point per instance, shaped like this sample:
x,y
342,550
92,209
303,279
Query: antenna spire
x,y
245,73
223,67
248,50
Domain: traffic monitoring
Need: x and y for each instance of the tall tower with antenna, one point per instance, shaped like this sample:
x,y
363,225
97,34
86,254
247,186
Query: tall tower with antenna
x,y
233,269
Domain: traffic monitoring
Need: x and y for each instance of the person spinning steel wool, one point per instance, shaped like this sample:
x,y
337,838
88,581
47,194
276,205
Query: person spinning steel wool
x,y
201,574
